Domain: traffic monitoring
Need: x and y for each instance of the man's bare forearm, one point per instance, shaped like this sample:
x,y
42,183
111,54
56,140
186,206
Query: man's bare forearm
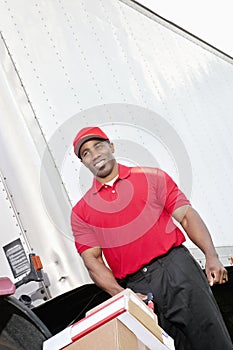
x,y
199,235
104,278
100,273
198,232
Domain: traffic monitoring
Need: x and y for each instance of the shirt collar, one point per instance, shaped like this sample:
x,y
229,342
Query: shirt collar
x,y
123,172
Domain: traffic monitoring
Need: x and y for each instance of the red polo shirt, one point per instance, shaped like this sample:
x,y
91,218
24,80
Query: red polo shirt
x,y
131,221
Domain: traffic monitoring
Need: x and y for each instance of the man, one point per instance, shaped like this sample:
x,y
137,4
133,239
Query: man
x,y
127,216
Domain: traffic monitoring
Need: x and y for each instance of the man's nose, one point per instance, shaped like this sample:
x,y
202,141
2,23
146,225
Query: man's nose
x,y
95,154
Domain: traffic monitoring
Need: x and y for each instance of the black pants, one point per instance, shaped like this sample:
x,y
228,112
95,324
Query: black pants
x,y
184,302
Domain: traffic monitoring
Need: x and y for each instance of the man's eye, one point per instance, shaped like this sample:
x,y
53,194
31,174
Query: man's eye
x,y
99,145
84,154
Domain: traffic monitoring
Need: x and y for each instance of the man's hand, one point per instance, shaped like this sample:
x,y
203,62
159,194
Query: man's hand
x,y
215,271
142,296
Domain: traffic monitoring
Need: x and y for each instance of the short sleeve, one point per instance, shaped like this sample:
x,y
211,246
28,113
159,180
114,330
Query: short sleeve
x,y
169,195
83,233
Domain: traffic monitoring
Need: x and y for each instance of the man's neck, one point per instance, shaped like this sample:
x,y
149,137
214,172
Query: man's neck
x,y
111,182
110,177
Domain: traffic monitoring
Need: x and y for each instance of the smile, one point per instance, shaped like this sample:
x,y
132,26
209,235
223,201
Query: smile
x,y
99,164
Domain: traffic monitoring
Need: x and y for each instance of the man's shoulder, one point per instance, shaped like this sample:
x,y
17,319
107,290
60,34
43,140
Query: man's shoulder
x,y
147,170
155,176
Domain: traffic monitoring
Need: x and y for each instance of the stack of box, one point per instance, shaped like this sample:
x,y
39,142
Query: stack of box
x,y
123,322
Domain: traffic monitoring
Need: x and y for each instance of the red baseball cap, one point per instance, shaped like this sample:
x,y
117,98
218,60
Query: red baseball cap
x,y
86,134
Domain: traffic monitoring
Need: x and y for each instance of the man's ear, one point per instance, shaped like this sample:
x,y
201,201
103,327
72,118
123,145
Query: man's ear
x,y
112,147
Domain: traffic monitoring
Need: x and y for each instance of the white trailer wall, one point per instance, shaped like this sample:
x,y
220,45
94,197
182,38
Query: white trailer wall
x,y
164,98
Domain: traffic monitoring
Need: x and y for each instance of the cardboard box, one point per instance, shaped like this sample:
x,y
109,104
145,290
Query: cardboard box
x,y
128,308
113,335
124,305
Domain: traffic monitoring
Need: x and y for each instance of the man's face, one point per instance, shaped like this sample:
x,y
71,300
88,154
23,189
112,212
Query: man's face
x,y
97,156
